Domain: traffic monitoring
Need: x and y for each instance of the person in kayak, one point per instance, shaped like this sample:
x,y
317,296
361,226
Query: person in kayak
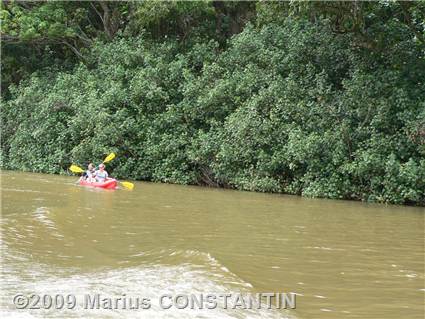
x,y
101,174
90,174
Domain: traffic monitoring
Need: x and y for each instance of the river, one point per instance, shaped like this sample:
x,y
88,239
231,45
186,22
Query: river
x,y
343,259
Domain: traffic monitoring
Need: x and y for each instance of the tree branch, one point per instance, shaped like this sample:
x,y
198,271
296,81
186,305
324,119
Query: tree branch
x,y
97,11
106,19
73,49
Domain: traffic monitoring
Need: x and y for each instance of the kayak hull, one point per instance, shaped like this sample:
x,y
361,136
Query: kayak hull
x,y
108,184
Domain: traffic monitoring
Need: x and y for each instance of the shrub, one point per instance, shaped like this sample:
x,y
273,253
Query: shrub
x,y
293,108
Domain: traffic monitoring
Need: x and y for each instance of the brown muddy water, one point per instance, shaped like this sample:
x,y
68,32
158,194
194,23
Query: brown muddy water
x,y
343,259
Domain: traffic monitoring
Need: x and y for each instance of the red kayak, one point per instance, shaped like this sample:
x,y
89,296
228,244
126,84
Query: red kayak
x,y
110,183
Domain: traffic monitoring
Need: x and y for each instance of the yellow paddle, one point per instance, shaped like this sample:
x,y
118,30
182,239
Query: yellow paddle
x,y
128,185
109,158
76,169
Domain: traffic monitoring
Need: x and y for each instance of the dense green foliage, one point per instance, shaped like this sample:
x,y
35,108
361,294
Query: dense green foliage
x,y
302,99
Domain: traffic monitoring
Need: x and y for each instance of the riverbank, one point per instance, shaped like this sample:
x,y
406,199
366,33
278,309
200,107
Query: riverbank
x,y
68,173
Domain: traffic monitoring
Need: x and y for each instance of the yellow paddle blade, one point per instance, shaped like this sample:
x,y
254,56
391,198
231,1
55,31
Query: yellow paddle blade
x,y
109,158
76,169
127,185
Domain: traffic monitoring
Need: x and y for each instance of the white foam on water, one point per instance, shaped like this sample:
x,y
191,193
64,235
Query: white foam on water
x,y
41,215
196,274
44,216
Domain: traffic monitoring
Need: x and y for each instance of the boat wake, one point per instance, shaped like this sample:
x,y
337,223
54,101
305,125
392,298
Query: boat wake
x,y
200,274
